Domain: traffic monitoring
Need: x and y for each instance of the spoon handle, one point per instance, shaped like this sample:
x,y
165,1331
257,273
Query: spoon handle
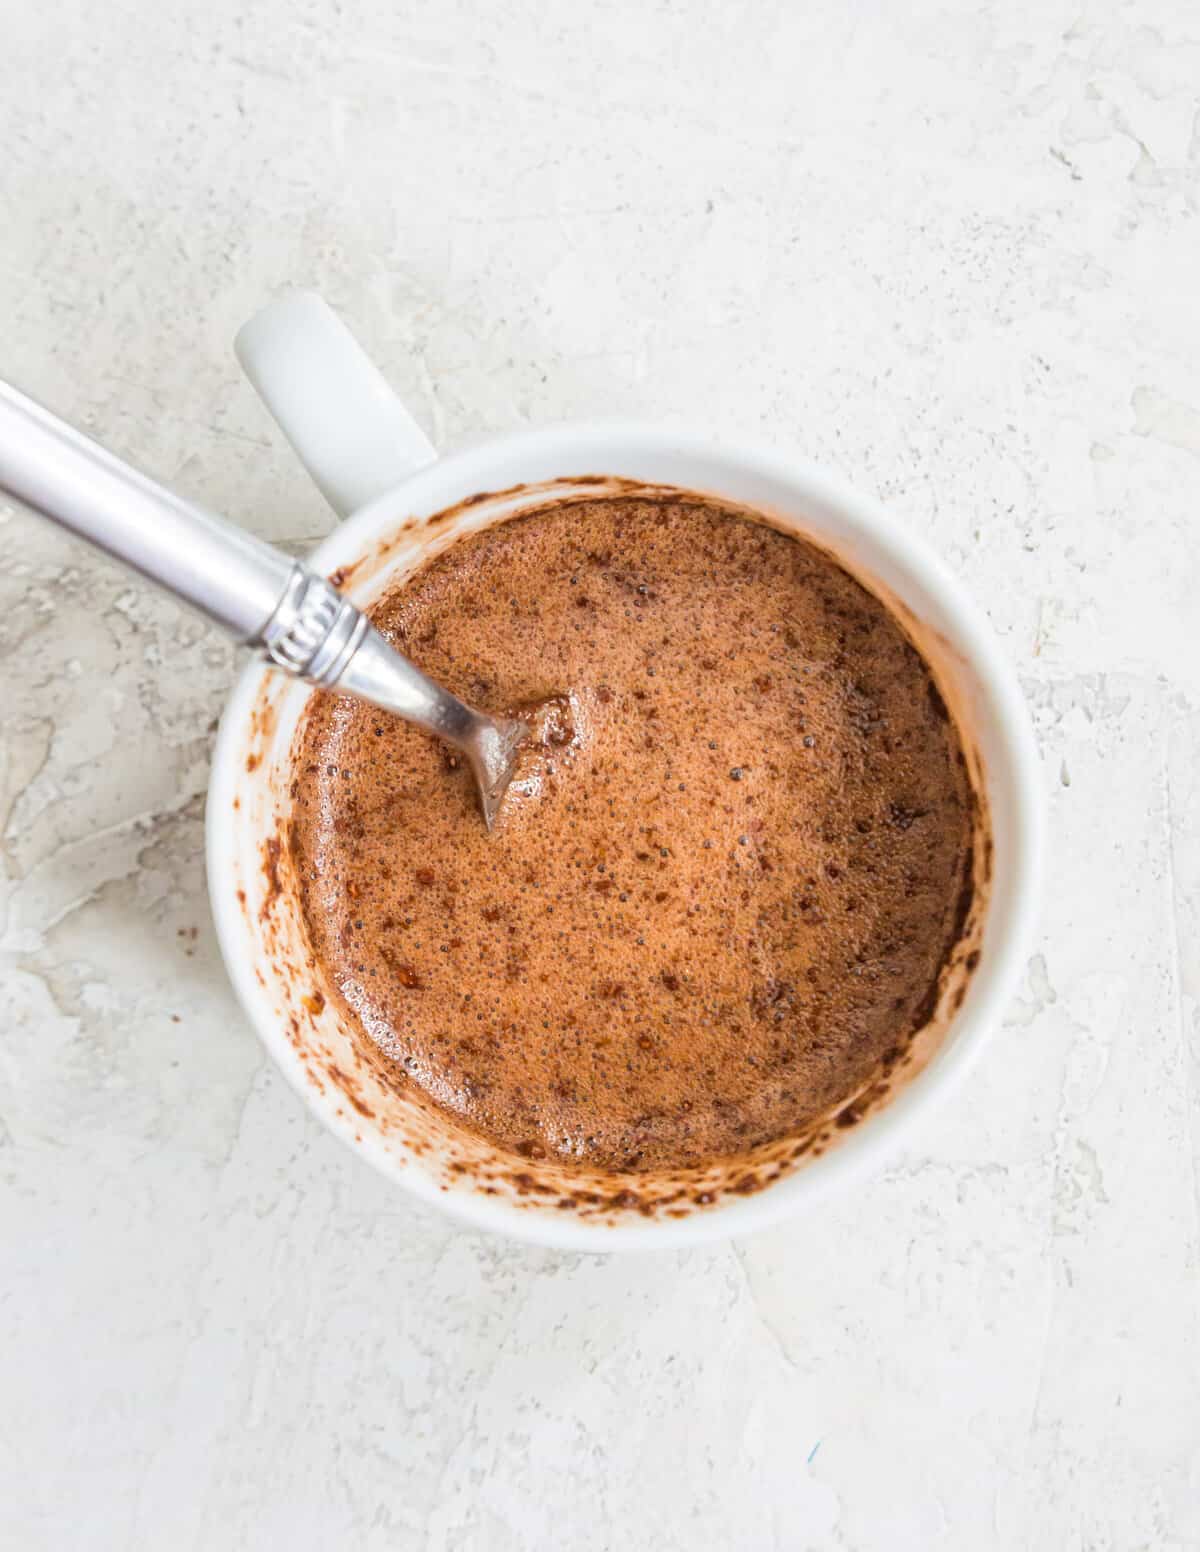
x,y
262,596
228,574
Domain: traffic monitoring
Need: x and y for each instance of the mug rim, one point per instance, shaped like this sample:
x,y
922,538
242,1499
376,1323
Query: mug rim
x,y
967,1031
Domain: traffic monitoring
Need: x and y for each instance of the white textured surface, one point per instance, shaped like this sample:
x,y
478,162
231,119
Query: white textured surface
x,y
950,249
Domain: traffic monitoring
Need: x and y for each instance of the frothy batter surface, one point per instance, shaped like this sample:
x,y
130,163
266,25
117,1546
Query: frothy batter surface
x,y
726,887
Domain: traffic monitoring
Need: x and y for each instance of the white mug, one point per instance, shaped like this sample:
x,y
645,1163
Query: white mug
x,y
386,482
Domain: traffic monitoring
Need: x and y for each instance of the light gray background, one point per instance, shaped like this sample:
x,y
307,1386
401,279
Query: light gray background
x,y
950,250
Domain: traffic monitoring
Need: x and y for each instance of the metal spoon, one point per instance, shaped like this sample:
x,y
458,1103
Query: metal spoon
x,y
269,601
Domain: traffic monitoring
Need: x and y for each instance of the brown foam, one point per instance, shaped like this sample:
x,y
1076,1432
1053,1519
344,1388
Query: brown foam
x,y
654,963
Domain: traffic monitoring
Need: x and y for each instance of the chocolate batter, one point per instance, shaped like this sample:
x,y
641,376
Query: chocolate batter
x,y
720,891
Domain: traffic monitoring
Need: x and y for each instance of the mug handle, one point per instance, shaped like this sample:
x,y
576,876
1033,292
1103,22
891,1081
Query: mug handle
x,y
331,402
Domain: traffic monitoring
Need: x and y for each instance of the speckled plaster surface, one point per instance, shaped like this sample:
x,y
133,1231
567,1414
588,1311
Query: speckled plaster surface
x,y
951,250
